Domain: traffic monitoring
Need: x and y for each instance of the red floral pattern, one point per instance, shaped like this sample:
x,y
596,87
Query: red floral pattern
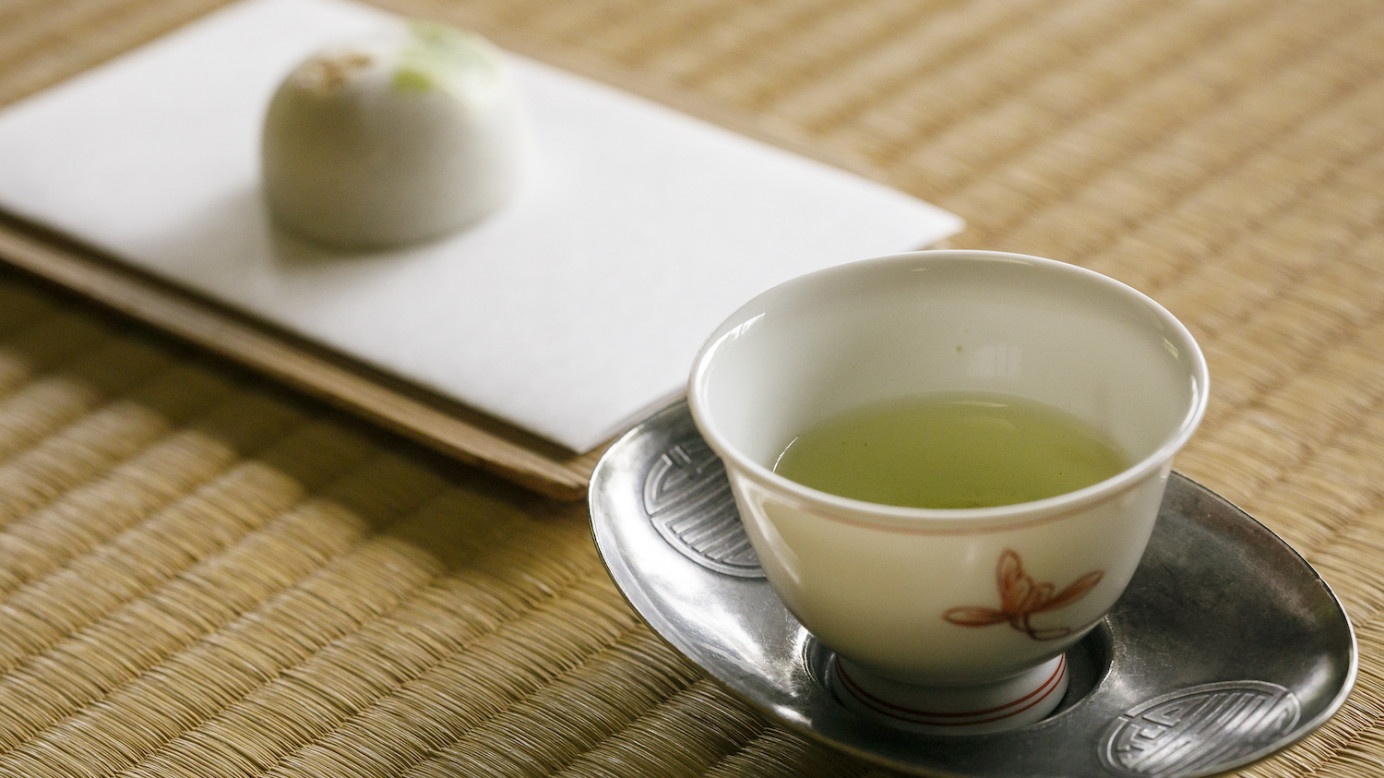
x,y
1020,598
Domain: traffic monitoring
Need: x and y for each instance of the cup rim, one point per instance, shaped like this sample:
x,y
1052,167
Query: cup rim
x,y
951,518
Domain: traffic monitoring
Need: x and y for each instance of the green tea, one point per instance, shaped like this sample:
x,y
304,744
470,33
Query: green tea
x,y
952,450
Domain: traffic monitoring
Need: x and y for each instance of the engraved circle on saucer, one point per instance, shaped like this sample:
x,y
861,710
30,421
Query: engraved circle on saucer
x,y
1198,730
688,500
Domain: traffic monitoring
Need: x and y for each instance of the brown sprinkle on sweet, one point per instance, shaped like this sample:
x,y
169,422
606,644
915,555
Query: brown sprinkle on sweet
x,y
331,72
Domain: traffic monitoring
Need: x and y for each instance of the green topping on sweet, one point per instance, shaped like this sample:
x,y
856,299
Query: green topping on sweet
x,y
435,54
407,79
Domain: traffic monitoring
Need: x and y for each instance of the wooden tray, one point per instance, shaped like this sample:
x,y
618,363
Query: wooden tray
x,y
422,416
426,417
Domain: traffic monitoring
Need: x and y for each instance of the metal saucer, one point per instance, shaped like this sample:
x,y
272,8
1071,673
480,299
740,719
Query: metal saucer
x,y
1226,647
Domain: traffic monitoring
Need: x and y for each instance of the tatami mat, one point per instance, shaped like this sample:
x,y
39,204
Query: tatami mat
x,y
203,574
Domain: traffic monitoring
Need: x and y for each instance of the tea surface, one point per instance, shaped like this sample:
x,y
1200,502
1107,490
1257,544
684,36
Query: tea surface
x,y
952,450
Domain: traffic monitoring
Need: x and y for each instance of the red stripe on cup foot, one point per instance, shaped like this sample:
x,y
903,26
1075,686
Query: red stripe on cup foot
x,y
991,717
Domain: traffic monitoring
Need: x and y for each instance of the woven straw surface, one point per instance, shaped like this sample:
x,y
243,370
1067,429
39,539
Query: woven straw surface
x,y
202,575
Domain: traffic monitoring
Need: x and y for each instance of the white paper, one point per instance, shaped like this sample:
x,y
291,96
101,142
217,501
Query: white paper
x,y
569,313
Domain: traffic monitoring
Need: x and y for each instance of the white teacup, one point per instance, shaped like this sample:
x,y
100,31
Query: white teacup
x,y
949,620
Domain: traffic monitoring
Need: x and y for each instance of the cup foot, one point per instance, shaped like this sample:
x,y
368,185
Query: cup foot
x,y
952,710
